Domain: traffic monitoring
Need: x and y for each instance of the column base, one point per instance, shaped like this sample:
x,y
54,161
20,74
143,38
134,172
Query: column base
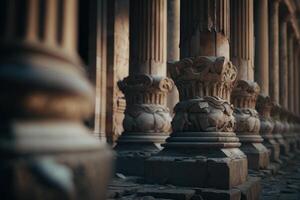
x,y
134,148
131,158
257,155
291,139
198,168
284,146
273,147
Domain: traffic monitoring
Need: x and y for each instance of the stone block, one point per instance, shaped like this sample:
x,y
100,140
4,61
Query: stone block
x,y
197,171
251,189
257,155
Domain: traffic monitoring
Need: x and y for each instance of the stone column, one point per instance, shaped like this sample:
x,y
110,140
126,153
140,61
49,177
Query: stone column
x,y
97,61
262,76
45,97
202,147
242,40
283,69
245,93
291,87
274,50
261,45
198,20
173,51
147,121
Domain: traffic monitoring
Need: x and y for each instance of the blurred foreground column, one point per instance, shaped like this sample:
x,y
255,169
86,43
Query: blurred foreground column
x,y
45,150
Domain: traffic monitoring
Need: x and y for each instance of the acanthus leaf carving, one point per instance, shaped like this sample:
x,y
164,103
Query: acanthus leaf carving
x,y
207,114
244,97
264,106
147,118
203,76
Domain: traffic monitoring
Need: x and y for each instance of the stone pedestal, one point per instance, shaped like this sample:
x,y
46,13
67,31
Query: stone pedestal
x,y
290,133
278,129
286,134
147,121
244,98
264,106
46,152
202,147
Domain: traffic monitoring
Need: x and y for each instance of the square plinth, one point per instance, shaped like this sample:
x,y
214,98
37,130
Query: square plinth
x,y
220,169
274,148
257,155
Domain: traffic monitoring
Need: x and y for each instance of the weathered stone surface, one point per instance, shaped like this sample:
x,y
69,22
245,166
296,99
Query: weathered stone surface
x,y
201,169
264,106
251,189
257,155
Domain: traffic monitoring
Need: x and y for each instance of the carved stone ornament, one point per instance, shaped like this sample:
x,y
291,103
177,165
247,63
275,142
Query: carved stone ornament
x,y
203,76
244,98
264,106
207,114
275,113
145,89
147,118
284,120
203,117
146,115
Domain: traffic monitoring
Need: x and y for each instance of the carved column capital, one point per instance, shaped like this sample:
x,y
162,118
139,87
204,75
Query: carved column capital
x,y
145,89
203,76
263,106
146,114
275,113
204,85
244,97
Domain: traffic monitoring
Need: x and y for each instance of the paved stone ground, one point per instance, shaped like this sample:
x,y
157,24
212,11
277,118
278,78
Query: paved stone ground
x,y
285,185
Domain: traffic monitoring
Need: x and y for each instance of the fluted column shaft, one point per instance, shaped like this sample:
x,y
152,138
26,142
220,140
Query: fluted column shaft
x,y
148,23
291,86
242,38
204,28
98,60
283,69
274,50
173,51
173,30
262,45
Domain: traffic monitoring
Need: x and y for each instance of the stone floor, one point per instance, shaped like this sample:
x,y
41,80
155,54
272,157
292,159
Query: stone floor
x,y
284,185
